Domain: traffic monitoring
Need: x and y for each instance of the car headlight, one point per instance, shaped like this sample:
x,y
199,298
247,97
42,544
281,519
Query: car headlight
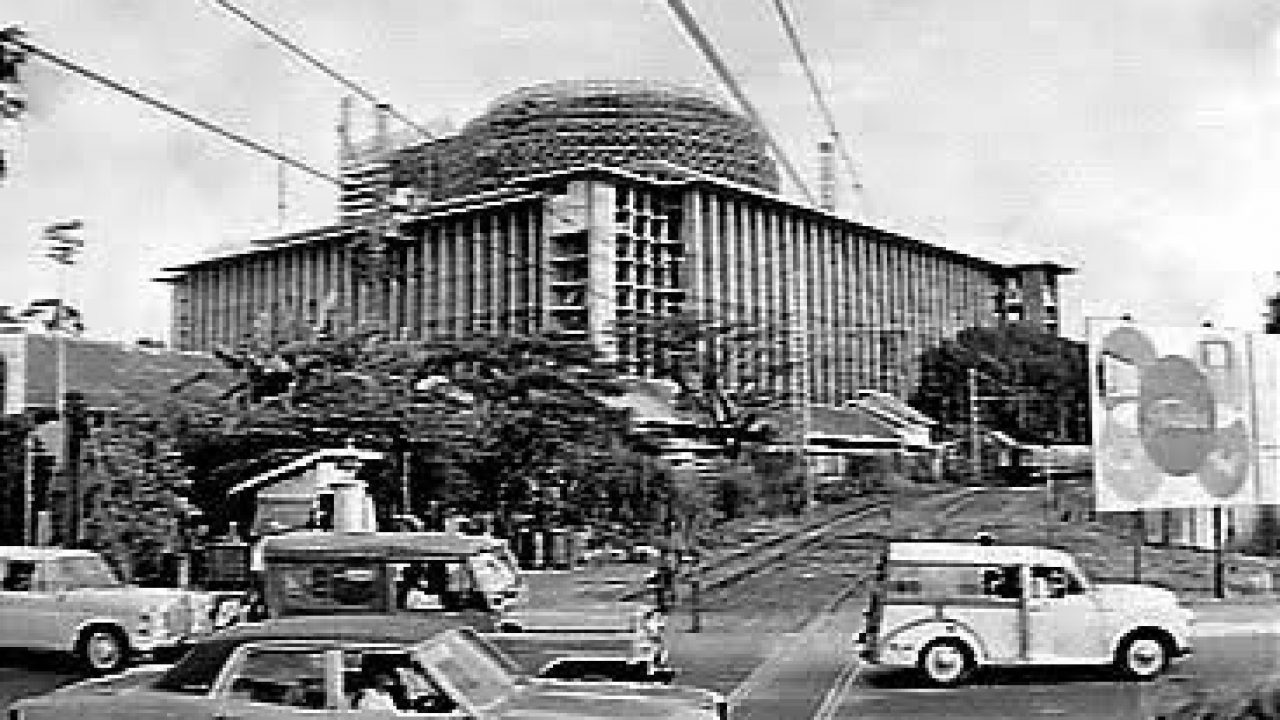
x,y
151,621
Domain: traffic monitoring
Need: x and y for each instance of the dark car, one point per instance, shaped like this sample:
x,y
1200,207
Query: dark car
x,y
356,666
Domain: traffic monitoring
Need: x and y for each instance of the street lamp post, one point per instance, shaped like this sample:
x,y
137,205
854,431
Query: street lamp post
x,y
64,243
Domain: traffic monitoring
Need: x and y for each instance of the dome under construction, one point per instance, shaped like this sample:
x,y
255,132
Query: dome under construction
x,y
555,126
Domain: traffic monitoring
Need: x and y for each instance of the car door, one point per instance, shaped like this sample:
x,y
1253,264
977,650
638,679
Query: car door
x,y
279,680
22,606
1064,621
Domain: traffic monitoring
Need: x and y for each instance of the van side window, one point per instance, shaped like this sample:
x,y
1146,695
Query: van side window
x,y
1054,582
19,576
948,582
1004,582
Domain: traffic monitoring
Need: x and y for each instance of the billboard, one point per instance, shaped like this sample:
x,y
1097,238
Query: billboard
x,y
1173,417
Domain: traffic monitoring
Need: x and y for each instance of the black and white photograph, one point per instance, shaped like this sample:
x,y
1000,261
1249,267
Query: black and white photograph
x,y
640,359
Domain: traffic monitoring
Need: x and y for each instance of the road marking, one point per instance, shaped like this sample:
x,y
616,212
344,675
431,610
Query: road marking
x,y
839,689
785,648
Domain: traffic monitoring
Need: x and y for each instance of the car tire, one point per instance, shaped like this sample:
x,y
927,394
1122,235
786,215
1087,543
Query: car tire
x,y
946,663
1143,656
103,650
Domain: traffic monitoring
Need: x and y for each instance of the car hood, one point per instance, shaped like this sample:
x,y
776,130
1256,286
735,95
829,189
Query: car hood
x,y
1122,595
583,617
549,699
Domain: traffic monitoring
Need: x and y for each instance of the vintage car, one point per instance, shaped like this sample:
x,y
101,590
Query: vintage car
x,y
947,608
622,641
374,666
411,574
72,601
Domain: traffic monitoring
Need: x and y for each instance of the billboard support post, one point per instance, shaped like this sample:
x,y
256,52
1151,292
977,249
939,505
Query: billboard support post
x,y
1139,536
1219,559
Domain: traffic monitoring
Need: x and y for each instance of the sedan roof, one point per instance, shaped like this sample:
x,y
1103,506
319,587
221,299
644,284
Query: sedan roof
x,y
200,666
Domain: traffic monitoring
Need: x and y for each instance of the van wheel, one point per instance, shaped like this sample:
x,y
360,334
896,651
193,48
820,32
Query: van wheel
x,y
946,663
103,650
1142,656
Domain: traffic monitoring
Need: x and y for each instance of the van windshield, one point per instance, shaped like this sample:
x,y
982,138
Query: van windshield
x,y
494,572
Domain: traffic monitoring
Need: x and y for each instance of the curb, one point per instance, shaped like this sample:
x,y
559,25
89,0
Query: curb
x,y
1243,601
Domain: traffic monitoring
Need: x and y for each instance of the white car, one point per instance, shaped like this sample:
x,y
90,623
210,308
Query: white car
x,y
72,601
947,608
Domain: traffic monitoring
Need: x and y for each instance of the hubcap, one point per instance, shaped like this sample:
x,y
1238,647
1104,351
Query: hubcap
x,y
1146,657
103,651
945,663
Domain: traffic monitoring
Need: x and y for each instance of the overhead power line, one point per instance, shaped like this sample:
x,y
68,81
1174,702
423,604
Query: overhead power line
x,y
171,109
320,65
788,25
705,46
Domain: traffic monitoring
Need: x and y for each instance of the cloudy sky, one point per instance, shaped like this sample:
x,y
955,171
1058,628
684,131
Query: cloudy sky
x,y
1133,139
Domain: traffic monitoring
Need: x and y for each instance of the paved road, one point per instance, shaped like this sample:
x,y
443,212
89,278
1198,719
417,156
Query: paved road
x,y
810,676
23,674
816,679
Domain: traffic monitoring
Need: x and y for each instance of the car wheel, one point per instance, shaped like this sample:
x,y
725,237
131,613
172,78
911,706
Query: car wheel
x,y
946,663
1143,656
103,650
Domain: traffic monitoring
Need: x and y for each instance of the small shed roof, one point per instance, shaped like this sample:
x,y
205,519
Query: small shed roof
x,y
258,481
39,553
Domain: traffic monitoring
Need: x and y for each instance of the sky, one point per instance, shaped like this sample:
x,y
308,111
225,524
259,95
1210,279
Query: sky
x,y
1135,140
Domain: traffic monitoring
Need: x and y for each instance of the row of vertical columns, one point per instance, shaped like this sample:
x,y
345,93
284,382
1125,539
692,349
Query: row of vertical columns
x,y
481,275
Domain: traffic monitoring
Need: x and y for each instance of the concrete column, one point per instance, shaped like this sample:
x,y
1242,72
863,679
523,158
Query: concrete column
x,y
602,248
512,265
540,241
453,280
494,292
731,231
692,232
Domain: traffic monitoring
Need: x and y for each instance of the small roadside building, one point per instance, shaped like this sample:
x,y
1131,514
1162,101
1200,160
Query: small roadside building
x,y
319,490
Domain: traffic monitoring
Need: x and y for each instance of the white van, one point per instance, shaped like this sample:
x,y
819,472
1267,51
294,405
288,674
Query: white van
x,y
947,608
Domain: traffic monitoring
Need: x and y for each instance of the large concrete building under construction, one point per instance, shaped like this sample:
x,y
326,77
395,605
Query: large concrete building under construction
x,y
581,207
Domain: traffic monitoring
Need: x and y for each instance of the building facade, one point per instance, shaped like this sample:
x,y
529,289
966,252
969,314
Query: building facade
x,y
635,207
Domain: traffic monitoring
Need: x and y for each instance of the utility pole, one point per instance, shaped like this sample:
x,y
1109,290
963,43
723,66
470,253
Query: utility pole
x,y
975,440
1219,555
64,242
28,488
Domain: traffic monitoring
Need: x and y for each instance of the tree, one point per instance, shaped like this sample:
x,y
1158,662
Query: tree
x,y
729,377
504,417
527,413
1032,384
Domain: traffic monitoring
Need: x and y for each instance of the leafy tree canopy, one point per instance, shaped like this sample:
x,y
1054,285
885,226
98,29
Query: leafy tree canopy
x,y
1031,384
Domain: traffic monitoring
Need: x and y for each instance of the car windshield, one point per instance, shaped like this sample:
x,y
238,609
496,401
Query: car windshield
x,y
196,672
1076,577
477,670
88,571
493,572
